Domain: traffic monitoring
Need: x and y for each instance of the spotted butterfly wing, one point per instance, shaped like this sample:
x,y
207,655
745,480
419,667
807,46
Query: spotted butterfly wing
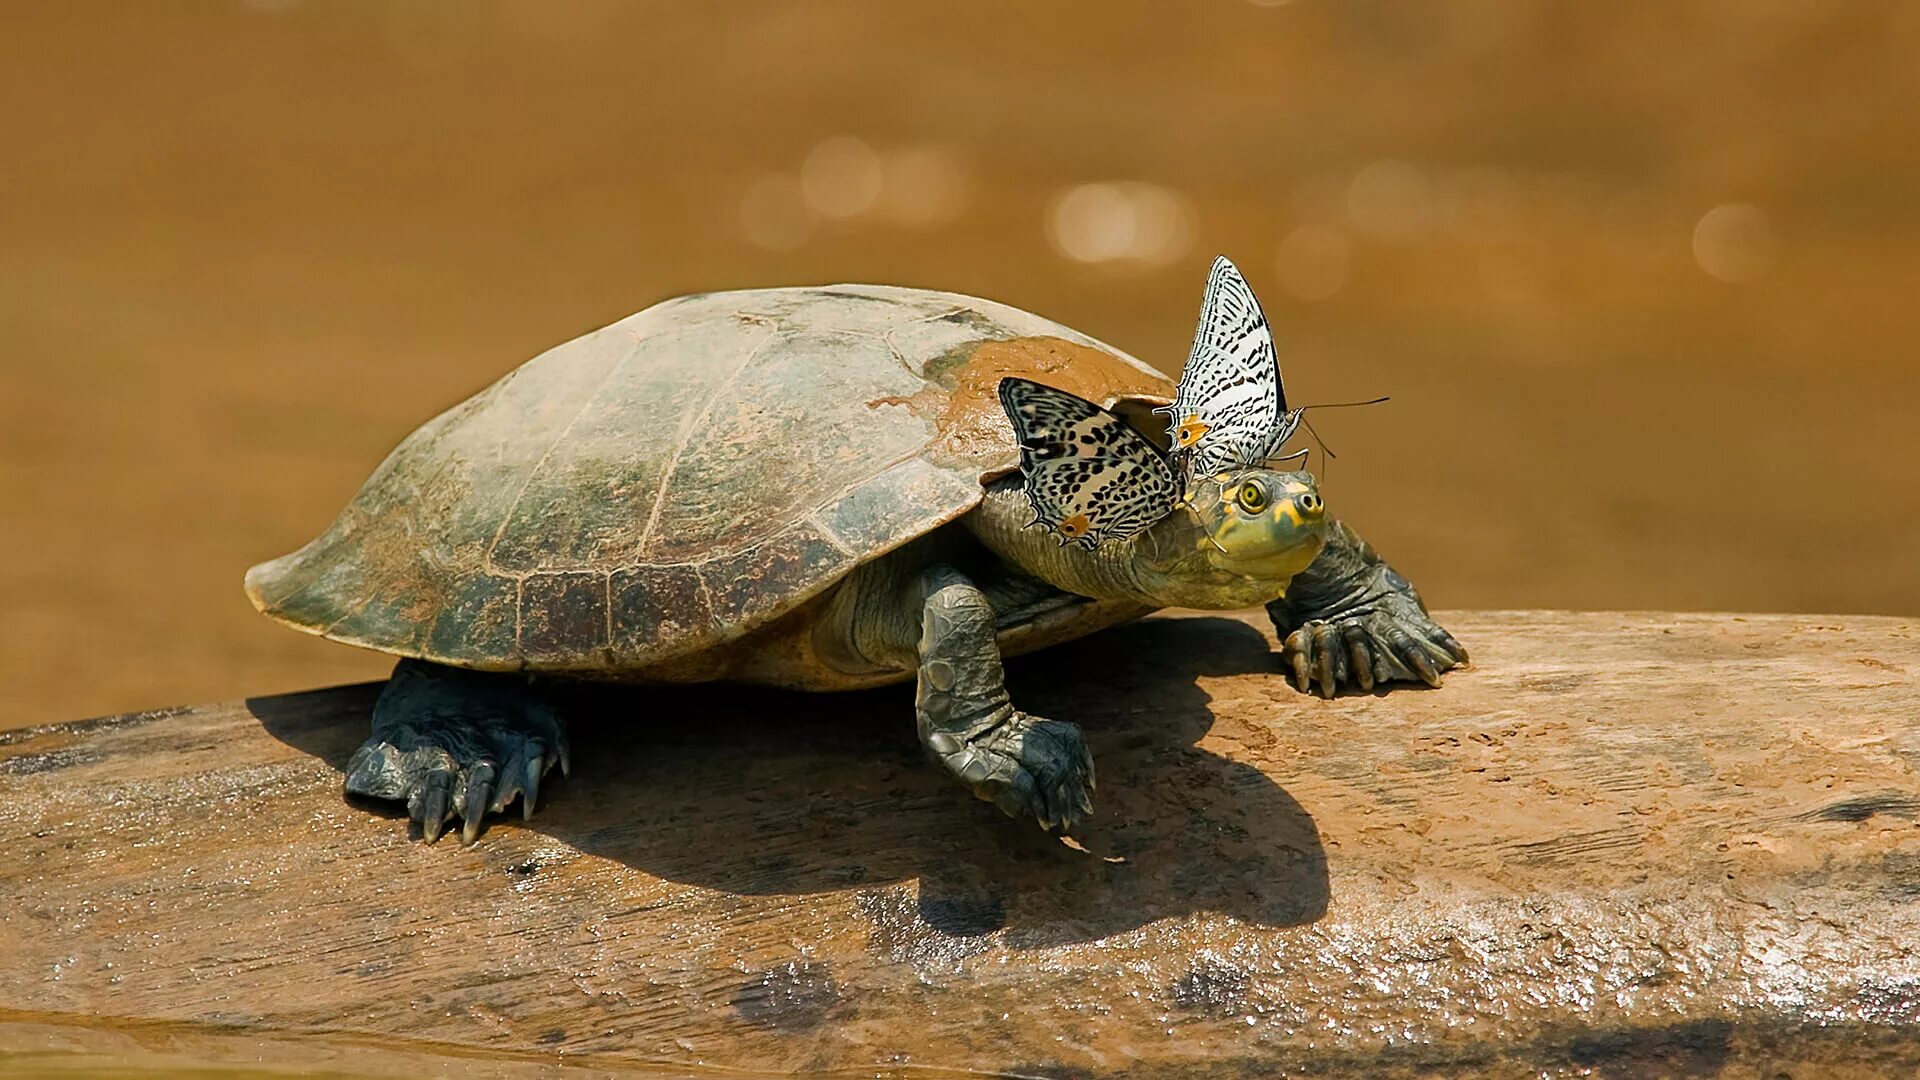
x,y
1231,409
1089,475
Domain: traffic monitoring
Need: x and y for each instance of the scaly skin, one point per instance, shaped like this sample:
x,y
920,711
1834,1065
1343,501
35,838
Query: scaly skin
x,y
1351,620
1025,765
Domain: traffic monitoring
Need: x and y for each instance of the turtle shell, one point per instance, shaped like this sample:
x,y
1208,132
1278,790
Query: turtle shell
x,y
682,477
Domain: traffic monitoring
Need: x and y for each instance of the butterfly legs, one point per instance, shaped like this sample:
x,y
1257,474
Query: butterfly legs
x,y
1350,620
1025,765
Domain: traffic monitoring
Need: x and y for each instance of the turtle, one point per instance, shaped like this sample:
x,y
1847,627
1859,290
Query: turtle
x,y
829,488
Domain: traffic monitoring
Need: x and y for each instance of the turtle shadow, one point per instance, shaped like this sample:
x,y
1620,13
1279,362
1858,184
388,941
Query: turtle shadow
x,y
770,793
764,792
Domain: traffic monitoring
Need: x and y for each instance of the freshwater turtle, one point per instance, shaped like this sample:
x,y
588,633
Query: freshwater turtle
x,y
827,489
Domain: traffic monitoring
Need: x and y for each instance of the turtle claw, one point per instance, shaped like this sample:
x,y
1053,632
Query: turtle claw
x,y
1071,805
473,806
532,787
1366,650
428,805
451,743
1029,767
511,786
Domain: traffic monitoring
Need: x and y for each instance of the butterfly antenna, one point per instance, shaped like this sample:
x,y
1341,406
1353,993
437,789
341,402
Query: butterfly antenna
x,y
1348,404
1322,443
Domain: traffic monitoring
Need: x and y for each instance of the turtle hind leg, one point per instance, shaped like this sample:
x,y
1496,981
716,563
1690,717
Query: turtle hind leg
x,y
1025,765
450,742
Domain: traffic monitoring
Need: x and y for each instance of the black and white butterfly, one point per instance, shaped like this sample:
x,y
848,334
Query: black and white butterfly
x,y
1231,410
1089,475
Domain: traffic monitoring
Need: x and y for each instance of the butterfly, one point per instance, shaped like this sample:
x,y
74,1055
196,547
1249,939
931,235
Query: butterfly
x,y
1089,475
1231,409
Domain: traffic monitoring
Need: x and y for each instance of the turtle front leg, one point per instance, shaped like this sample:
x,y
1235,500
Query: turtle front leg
x,y
1025,765
447,741
1351,620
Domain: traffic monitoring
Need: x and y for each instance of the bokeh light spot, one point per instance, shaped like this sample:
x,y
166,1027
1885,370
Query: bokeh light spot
x,y
1734,242
1162,223
922,187
1125,219
1091,223
841,177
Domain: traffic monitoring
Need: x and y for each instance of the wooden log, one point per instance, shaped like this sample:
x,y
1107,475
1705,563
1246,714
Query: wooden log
x,y
1625,845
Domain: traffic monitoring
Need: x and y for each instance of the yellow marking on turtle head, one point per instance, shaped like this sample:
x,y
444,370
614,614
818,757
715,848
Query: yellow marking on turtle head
x,y
1189,432
1229,492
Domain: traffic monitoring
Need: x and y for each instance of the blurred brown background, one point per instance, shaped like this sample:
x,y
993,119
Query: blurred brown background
x,y
1641,278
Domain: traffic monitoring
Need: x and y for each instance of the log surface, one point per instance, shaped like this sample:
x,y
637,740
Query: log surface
x,y
1620,845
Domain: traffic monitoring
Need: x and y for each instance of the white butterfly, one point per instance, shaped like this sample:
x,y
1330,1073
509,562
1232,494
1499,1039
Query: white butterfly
x,y
1231,410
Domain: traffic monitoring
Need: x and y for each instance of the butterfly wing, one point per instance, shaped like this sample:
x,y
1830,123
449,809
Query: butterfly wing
x,y
1089,475
1232,408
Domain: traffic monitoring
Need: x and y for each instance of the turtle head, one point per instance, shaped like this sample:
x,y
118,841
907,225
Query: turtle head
x,y
1259,522
1239,537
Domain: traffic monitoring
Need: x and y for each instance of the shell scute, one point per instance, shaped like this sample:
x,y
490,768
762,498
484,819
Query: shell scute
x,y
679,478
899,504
563,618
321,584
481,620
785,438
589,499
391,611
655,607
761,581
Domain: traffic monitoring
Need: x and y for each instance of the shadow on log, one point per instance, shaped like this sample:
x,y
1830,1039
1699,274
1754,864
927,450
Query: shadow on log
x,y
767,793
1623,845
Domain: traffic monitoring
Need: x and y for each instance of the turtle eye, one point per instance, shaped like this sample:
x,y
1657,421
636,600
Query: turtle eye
x,y
1252,497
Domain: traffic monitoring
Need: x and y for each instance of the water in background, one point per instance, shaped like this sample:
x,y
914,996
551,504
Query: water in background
x,y
1640,278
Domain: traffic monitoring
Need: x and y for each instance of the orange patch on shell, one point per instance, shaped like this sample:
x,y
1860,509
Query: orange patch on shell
x,y
974,428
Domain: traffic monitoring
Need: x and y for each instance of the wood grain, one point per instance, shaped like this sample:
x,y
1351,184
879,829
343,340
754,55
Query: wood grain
x,y
1621,845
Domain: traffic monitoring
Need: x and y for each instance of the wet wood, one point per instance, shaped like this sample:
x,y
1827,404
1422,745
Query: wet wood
x,y
1626,845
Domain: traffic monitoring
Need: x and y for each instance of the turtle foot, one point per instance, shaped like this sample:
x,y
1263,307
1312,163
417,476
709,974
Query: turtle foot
x,y
1368,650
449,742
1027,766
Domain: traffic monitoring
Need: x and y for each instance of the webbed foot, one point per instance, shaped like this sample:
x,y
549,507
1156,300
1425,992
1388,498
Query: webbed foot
x,y
1027,766
1392,641
447,742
